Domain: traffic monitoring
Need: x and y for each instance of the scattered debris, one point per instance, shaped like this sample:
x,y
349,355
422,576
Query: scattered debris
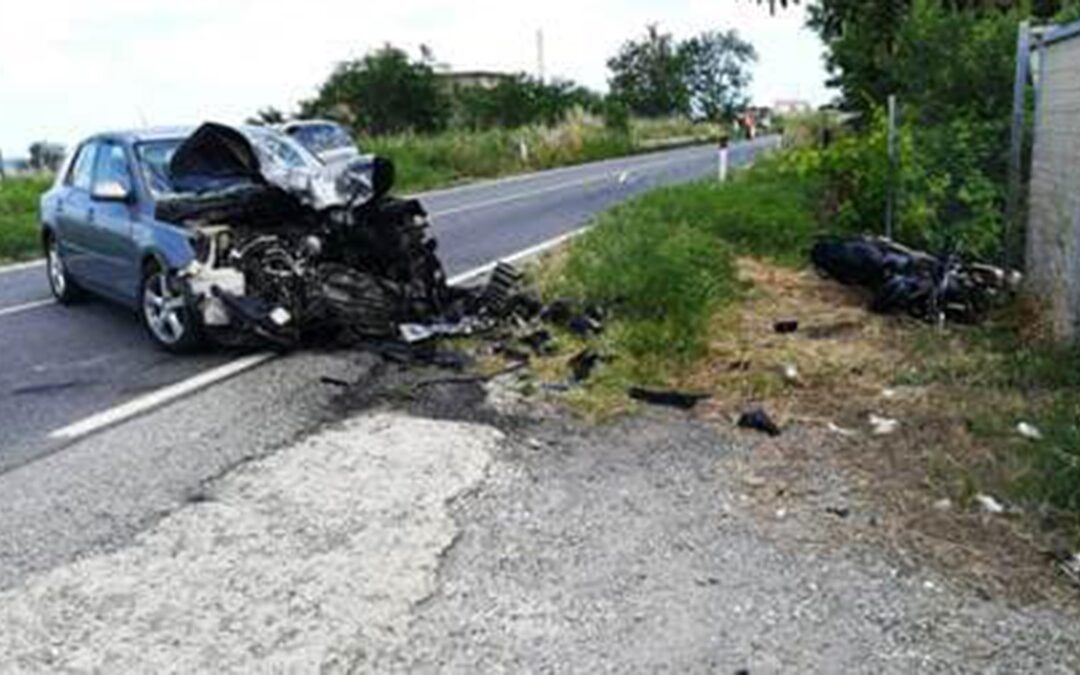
x,y
933,288
675,399
540,342
500,296
988,504
583,363
510,352
839,511
1070,567
558,311
333,381
790,374
758,420
1029,431
584,325
786,326
848,433
944,505
883,426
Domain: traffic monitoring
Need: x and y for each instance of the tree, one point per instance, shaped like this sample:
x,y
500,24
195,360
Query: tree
x,y
648,75
45,156
382,93
267,116
717,72
520,100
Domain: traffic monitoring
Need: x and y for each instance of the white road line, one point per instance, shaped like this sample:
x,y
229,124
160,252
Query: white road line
x,y
544,173
155,399
613,177
5,311
16,267
516,257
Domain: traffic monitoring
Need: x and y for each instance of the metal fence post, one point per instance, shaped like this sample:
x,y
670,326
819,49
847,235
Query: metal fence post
x,y
1016,141
890,196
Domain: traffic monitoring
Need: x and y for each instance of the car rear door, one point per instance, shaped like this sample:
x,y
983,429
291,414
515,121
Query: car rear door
x,y
73,211
112,247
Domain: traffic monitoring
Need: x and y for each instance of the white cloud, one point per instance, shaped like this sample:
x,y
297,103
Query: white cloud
x,y
70,67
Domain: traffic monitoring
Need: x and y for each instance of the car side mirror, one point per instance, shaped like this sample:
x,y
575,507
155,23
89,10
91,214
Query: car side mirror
x,y
110,191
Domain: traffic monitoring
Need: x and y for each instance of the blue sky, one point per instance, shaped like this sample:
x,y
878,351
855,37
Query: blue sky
x,y
69,68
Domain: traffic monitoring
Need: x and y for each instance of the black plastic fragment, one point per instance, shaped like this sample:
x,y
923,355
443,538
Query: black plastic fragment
x,y
759,420
539,341
583,363
675,399
786,326
558,311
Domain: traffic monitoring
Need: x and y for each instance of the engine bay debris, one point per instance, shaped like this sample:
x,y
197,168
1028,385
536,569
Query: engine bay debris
x,y
289,252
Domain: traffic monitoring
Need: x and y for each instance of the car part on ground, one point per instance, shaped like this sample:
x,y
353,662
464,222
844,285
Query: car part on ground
x,y
758,420
932,288
676,399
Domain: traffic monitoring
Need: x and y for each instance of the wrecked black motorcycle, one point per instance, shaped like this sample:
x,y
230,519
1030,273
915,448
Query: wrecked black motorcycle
x,y
933,288
286,252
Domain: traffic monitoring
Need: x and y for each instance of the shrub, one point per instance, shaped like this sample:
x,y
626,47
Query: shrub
x,y
19,216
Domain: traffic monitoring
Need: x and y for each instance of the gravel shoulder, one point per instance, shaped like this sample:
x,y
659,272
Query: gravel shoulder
x,y
440,534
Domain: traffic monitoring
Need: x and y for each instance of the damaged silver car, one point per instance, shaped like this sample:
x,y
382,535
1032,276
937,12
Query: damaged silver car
x,y
241,235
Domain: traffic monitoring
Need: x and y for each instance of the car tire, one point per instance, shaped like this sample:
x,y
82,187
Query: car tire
x,y
63,287
166,313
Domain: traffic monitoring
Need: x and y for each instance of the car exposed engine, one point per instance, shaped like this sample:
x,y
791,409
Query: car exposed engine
x,y
290,251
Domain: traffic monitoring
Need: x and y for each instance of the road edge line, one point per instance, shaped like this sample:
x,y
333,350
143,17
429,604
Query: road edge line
x,y
26,306
158,398
18,267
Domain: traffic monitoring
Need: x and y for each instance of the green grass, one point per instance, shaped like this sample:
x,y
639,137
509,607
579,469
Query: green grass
x,y
19,238
999,378
664,264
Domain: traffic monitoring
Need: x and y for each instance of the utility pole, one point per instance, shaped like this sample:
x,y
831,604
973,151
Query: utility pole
x,y
540,54
890,198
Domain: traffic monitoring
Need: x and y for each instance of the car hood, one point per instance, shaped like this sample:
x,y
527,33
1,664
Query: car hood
x,y
215,157
221,170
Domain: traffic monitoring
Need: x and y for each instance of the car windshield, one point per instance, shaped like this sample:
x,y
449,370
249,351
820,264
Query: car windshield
x,y
154,157
321,137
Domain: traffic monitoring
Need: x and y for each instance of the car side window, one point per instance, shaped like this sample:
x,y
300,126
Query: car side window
x,y
112,166
82,170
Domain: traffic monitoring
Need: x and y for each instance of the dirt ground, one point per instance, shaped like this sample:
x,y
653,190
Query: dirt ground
x,y
851,365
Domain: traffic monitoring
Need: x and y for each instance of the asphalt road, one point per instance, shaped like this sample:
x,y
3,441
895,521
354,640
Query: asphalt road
x,y
63,364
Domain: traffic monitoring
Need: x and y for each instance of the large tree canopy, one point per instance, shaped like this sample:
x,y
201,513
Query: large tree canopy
x,y
717,73
648,75
384,92
706,75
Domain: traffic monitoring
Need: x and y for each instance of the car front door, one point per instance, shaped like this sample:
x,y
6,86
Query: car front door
x,y
111,218
73,213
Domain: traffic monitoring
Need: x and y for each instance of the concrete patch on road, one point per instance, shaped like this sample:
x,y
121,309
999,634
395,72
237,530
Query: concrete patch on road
x,y
295,562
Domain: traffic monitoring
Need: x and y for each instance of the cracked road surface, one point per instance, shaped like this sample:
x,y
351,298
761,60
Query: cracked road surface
x,y
289,563
396,544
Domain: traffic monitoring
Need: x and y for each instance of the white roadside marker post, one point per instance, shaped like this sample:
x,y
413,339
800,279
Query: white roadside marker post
x,y
722,165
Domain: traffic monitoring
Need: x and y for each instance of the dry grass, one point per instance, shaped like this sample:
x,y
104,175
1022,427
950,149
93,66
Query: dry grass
x,y
852,364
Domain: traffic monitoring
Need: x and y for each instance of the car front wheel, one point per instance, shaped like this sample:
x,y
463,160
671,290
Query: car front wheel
x,y
63,287
166,313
